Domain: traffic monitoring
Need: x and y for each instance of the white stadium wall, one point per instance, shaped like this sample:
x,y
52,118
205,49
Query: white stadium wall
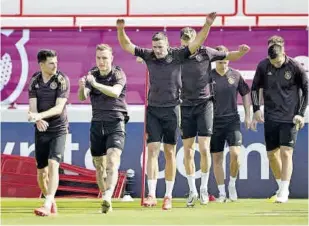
x,y
91,13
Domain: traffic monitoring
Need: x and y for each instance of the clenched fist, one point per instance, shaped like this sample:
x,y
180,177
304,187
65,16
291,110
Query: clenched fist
x,y
120,23
243,49
211,18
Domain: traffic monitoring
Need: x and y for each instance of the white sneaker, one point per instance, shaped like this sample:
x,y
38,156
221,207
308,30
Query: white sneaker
x,y
204,198
232,193
193,197
127,198
221,199
282,197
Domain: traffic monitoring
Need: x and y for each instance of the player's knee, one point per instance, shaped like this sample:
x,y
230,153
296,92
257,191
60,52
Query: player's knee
x,y
189,154
217,160
272,156
98,163
204,152
43,173
286,153
153,154
169,154
188,144
53,165
113,159
113,155
153,147
234,153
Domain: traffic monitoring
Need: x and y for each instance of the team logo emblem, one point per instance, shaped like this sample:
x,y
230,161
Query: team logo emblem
x,y
169,59
53,85
36,86
199,58
231,80
14,74
287,75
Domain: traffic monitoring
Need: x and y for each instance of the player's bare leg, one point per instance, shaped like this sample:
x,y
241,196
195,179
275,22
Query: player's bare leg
x,y
152,173
42,177
275,163
219,174
170,174
234,167
113,162
100,166
189,150
286,173
53,182
204,147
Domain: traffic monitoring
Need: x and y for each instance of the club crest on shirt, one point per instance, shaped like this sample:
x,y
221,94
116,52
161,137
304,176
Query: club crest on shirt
x,y
231,80
199,57
169,59
53,85
36,86
287,75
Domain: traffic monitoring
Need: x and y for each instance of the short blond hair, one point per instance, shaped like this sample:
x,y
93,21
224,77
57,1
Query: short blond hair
x,y
102,47
275,40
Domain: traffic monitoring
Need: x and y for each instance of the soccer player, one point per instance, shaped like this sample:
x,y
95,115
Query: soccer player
x,y
227,84
106,85
162,120
48,94
197,109
281,78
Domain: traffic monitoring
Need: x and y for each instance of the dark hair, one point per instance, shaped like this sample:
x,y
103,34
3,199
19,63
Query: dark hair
x,y
159,36
222,49
276,40
274,51
44,54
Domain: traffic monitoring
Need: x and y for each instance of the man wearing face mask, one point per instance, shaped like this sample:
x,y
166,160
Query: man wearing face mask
x,y
106,85
162,118
281,79
197,109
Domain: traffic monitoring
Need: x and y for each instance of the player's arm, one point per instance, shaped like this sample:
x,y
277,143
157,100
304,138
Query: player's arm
x,y
123,39
33,105
257,84
56,110
140,60
236,55
244,91
246,103
304,87
41,125
202,35
32,94
112,91
83,91
302,81
63,91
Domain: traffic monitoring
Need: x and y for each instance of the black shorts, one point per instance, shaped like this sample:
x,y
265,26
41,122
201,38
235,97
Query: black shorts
x,y
105,135
279,134
197,120
229,132
162,122
49,145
